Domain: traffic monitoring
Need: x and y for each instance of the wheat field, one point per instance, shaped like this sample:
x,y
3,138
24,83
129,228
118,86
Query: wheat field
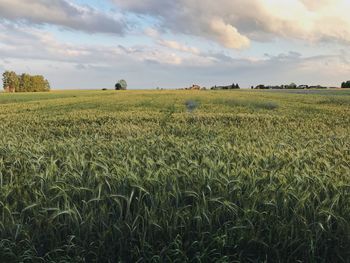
x,y
175,176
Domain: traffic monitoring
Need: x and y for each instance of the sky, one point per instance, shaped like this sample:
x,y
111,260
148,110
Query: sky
x,y
91,44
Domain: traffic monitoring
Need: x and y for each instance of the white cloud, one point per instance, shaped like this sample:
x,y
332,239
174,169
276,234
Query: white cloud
x,y
227,34
178,46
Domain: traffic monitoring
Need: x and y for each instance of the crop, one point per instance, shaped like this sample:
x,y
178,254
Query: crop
x,y
140,176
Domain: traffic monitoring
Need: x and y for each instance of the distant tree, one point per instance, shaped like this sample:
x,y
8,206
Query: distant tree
x,y
292,86
39,83
346,85
47,85
121,85
10,80
24,82
233,86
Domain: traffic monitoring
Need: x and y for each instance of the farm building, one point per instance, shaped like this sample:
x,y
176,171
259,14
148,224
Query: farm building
x,y
195,87
9,89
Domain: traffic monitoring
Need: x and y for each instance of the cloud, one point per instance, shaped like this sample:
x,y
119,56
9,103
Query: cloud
x,y
61,13
319,4
164,63
25,42
178,46
81,67
170,44
189,17
227,34
291,55
234,23
28,43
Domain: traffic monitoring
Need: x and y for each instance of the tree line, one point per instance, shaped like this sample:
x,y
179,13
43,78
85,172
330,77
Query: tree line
x,y
346,85
233,86
24,82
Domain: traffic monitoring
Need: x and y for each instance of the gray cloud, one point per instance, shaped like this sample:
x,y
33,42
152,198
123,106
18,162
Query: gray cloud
x,y
290,56
233,23
60,13
189,17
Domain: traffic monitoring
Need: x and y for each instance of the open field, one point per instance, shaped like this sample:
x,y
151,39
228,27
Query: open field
x,y
184,176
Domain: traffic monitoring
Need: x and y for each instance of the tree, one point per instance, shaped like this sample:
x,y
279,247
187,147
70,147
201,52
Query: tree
x,y
39,83
235,86
118,86
121,85
10,80
292,86
346,85
24,82
47,85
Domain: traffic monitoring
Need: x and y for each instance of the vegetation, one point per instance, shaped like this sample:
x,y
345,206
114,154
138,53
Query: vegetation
x,y
346,85
163,176
233,86
292,86
10,80
121,85
24,83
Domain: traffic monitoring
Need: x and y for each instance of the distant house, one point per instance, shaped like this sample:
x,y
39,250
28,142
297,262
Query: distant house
x,y
303,87
9,89
261,87
317,87
195,87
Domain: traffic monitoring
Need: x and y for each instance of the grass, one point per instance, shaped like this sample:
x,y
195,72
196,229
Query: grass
x,y
162,176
